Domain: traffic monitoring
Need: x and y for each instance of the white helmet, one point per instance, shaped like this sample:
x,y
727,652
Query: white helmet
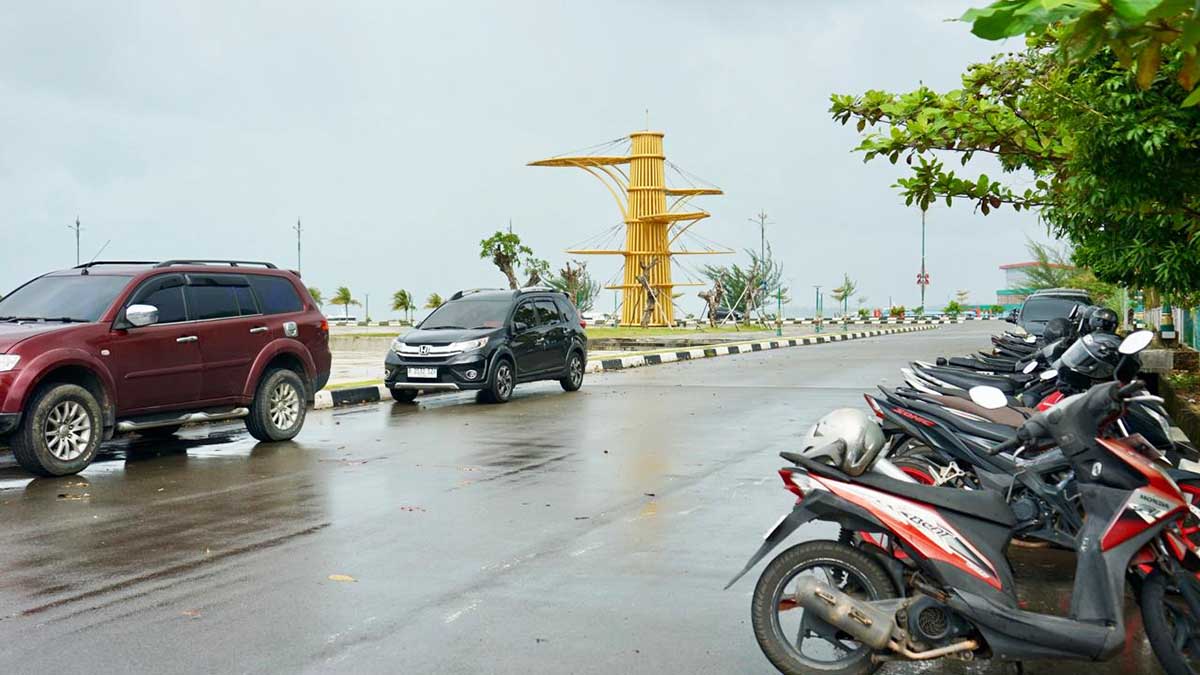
x,y
860,432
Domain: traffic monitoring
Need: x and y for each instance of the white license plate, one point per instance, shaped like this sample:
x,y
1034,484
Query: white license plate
x,y
430,373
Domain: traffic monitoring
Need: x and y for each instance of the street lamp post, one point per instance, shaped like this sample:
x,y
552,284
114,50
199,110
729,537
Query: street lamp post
x,y
779,311
924,276
817,307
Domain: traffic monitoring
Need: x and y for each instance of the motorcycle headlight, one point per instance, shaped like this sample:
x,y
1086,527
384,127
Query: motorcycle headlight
x,y
8,362
468,345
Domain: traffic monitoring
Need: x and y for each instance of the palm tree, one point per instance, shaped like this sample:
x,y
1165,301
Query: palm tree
x,y
433,301
844,292
345,299
316,296
402,301
1053,268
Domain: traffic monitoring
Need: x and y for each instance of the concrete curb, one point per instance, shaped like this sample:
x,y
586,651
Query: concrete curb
x,y
829,321
326,398
626,362
337,398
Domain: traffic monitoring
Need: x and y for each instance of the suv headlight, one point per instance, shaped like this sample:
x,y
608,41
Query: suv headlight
x,y
397,345
8,362
469,345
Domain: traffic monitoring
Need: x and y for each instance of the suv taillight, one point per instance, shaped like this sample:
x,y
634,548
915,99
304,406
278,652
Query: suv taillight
x,y
583,324
325,325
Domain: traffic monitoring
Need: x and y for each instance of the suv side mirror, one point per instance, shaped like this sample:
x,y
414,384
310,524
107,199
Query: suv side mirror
x,y
140,316
519,327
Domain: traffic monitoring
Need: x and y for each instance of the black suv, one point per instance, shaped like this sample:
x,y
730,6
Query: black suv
x,y
490,340
1050,303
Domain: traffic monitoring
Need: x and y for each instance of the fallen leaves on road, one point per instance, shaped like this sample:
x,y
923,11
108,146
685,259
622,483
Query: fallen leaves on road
x,y
74,497
191,613
414,509
342,577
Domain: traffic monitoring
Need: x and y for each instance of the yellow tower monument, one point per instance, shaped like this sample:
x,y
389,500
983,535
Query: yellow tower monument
x,y
651,227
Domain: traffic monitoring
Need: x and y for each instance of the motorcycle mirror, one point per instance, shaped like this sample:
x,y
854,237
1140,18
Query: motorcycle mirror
x,y
1049,374
1029,367
989,397
1136,342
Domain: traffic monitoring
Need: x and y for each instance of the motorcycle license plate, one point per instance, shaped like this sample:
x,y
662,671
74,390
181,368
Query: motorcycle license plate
x,y
776,526
428,373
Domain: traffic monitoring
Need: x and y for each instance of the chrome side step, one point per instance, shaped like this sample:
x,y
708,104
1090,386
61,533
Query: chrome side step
x,y
190,418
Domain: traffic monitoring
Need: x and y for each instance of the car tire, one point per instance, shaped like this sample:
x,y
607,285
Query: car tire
x,y
60,432
160,432
574,379
278,410
404,395
500,387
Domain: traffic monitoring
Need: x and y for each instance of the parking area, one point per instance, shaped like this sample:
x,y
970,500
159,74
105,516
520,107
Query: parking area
x,y
584,532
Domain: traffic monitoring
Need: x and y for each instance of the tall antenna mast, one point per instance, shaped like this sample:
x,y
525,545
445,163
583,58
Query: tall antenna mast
x,y
76,227
299,230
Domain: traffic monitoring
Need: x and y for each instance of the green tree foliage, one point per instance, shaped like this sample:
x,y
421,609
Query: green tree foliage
x,y
577,283
952,309
402,301
863,312
1115,168
1053,268
842,294
1135,30
317,296
434,301
996,309
897,311
344,298
509,255
743,284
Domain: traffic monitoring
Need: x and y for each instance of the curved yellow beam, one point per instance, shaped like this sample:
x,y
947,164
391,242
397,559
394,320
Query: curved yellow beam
x,y
615,195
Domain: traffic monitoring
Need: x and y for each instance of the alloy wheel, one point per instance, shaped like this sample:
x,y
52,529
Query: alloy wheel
x,y
67,431
284,406
576,370
504,380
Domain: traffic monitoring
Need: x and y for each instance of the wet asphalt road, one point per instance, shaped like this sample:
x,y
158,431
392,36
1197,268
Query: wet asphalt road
x,y
560,533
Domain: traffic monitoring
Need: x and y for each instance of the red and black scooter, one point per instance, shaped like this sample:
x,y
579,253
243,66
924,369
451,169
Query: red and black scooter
x,y
946,589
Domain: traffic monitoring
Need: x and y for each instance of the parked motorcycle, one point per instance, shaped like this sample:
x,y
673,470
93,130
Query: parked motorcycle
x,y
943,587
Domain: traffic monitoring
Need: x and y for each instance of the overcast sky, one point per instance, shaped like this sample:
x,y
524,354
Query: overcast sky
x,y
399,133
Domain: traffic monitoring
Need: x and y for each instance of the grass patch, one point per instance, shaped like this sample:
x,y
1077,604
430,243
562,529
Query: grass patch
x,y
351,385
359,336
638,332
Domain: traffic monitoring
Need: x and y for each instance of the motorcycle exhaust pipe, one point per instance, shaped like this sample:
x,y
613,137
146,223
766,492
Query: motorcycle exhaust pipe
x,y
871,626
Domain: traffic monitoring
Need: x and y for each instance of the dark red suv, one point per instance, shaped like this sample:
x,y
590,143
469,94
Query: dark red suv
x,y
111,347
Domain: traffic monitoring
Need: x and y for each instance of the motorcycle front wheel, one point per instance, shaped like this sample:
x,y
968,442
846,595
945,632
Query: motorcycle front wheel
x,y
1172,629
797,644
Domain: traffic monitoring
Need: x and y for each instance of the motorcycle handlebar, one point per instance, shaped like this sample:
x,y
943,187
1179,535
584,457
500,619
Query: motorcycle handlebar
x,y
1011,444
1128,390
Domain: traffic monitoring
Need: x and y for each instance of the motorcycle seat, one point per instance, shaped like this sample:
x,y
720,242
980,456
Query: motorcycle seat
x,y
1009,417
985,504
968,380
978,364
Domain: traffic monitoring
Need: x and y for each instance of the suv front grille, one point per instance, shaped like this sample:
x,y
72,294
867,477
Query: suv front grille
x,y
427,351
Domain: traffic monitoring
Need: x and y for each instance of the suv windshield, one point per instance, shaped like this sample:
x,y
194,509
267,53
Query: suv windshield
x,y
1047,307
469,313
68,298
